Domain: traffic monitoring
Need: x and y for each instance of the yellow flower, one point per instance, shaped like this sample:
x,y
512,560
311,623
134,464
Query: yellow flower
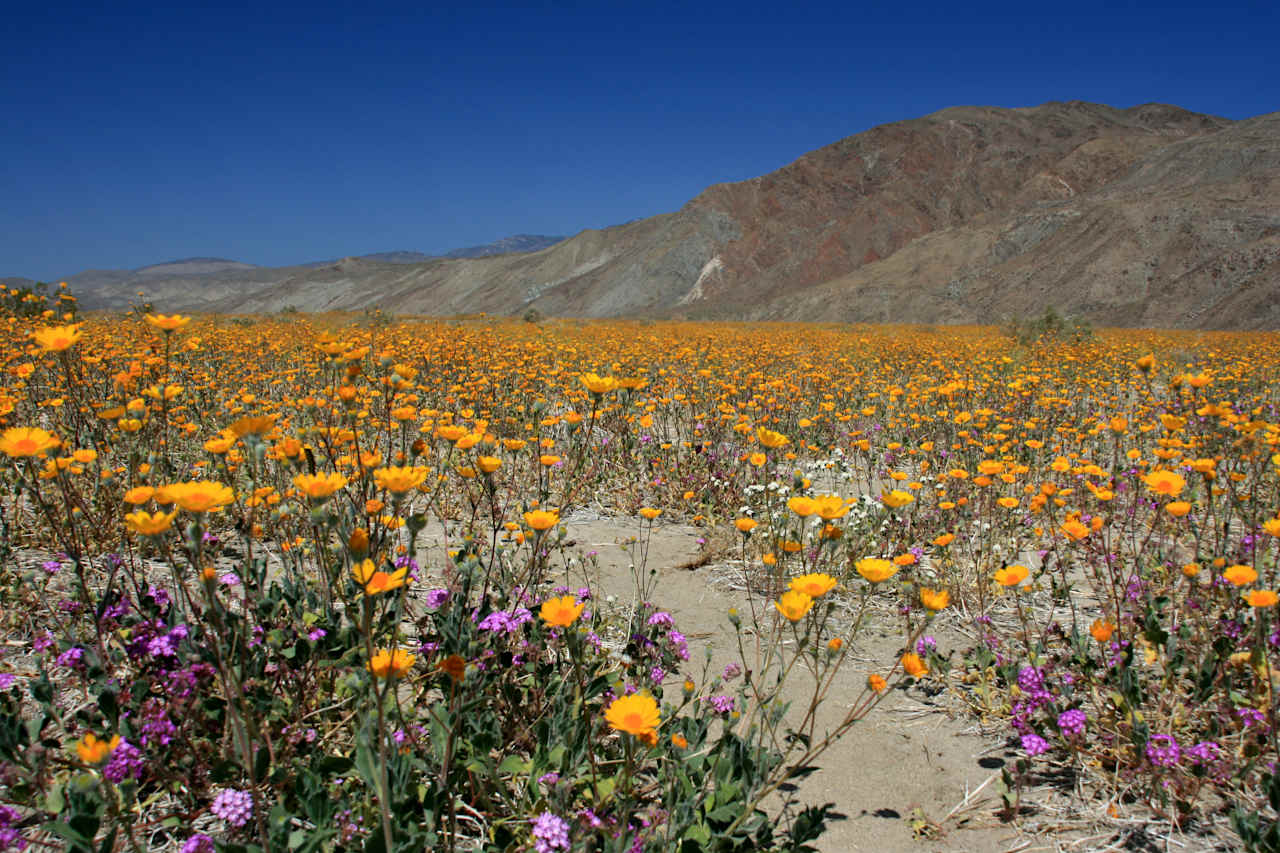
x,y
167,323
375,581
319,487
649,512
399,480
57,338
771,439
896,499
94,751
1177,508
149,524
1165,483
1239,575
1074,530
200,495
1146,363
794,604
636,714
814,585
875,569
831,507
542,519
1272,526
1008,503
19,442
488,464
599,384
1261,598
745,525
391,663
1011,575
561,612
802,506
757,459
913,665
139,495
934,599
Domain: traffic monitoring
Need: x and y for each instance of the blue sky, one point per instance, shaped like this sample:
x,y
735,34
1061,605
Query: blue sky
x,y
278,134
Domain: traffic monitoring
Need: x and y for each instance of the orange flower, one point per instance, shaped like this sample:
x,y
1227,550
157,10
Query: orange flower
x,y
488,464
149,524
1101,630
1011,575
876,683
1261,598
1177,508
167,324
814,585
375,581
19,442
542,519
94,751
1165,483
649,513
914,665
831,507
802,506
896,499
319,487
875,569
745,525
1239,574
679,741
636,714
399,480
944,540
794,605
1074,530
200,495
770,439
391,663
934,599
599,384
561,612
454,666
57,338
139,495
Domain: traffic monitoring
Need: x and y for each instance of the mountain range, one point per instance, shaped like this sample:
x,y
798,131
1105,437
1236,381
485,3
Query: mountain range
x,y
1146,216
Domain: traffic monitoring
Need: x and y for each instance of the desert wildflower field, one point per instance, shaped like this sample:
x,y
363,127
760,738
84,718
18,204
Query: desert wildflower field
x,y
310,583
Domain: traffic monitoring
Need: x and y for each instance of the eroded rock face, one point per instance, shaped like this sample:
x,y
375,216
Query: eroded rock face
x,y
1147,216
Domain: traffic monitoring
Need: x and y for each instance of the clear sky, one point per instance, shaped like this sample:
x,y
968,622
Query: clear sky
x,y
279,134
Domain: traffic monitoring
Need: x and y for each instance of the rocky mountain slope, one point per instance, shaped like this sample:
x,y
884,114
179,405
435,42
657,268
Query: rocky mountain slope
x,y
1151,215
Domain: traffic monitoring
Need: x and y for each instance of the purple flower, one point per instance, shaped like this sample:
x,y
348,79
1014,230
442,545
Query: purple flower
x,y
7,680
198,844
662,617
549,778
51,567
317,635
1163,751
926,644
233,806
436,598
1204,752
731,671
657,674
71,657
721,704
1072,722
550,833
1034,744
126,763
